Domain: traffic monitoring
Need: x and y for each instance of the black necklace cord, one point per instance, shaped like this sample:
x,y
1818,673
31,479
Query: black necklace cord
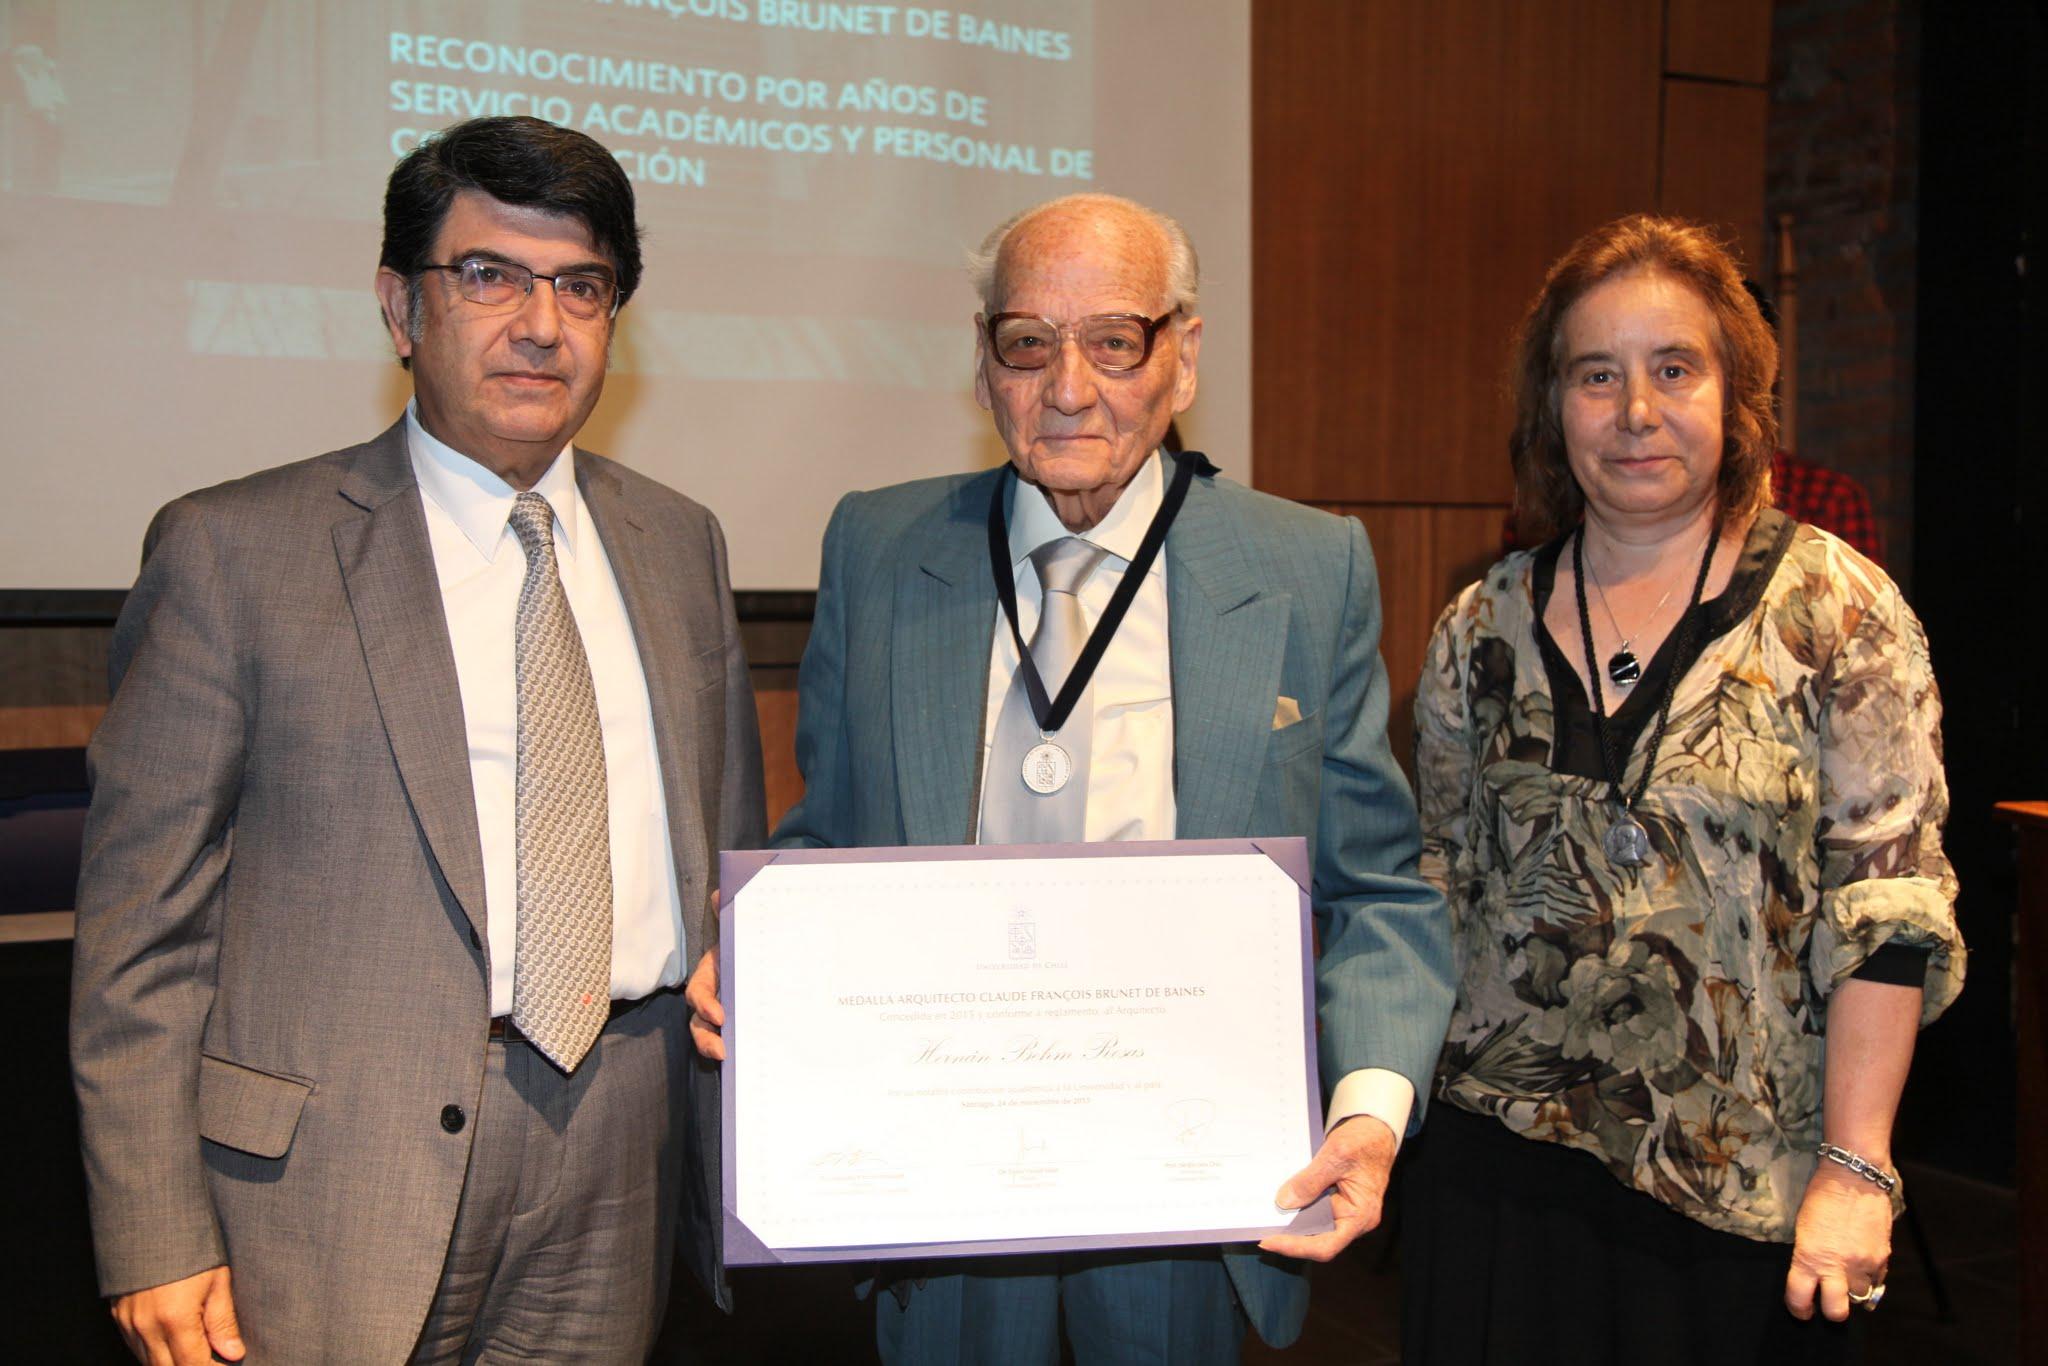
x,y
1052,713
1683,643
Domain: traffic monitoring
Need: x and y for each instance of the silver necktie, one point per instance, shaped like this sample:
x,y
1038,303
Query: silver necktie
x,y
1013,813
562,958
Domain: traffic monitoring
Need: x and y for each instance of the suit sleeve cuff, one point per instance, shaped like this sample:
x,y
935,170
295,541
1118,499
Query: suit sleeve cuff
x,y
1387,1096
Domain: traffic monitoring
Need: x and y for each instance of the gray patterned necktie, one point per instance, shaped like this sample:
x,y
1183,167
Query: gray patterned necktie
x,y
562,958
1013,813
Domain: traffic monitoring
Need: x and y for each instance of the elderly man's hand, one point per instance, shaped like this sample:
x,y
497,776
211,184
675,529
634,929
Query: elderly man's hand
x,y
182,1323
1353,1164
1841,1246
707,1015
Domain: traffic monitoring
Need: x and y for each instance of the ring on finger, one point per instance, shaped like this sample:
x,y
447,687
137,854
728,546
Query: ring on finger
x,y
1870,1298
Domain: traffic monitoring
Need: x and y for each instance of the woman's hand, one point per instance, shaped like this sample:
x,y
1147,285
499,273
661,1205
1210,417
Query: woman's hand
x,y
1843,1245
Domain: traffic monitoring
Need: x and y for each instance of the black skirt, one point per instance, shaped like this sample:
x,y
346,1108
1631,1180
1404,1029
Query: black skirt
x,y
1519,1252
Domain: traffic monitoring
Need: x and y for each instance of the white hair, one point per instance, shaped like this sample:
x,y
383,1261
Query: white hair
x,y
1183,269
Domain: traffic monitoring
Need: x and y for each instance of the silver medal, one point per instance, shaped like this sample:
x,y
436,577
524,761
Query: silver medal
x,y
1627,843
1047,768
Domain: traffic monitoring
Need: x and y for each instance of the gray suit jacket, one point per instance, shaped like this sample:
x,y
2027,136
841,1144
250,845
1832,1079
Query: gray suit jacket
x,y
281,982
1267,599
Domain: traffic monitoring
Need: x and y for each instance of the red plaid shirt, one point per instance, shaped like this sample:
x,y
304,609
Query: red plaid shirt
x,y
1827,498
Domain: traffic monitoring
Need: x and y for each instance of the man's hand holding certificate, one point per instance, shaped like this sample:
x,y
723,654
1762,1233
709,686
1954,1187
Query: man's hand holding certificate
x,y
972,1050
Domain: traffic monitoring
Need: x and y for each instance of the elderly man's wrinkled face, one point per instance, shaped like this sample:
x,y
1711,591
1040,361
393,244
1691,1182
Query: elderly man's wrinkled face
x,y
1077,432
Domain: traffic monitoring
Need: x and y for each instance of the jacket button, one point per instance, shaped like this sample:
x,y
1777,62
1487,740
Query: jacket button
x,y
452,1118
475,942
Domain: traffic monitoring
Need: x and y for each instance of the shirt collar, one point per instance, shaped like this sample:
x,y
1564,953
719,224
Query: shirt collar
x,y
478,501
1033,523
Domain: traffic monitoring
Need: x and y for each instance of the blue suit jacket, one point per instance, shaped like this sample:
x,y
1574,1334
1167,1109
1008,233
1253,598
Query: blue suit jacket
x,y
1266,599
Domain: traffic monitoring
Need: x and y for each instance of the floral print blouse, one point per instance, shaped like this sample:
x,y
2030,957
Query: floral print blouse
x,y
1671,1020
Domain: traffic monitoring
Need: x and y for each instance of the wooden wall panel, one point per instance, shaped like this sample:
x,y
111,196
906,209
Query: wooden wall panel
x,y
48,727
775,704
53,684
53,693
1416,164
1425,555
1713,162
1727,40
1416,168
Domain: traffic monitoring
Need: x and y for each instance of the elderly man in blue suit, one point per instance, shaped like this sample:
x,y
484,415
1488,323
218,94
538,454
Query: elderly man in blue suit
x,y
1240,693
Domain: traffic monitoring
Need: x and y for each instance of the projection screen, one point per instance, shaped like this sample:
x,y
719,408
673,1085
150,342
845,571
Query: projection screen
x,y
189,223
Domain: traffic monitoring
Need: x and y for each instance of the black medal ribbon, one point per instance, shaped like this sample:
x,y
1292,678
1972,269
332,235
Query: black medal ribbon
x,y
1052,713
1635,850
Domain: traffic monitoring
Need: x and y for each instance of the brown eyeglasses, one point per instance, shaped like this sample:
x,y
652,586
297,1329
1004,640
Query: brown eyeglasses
x,y
1112,342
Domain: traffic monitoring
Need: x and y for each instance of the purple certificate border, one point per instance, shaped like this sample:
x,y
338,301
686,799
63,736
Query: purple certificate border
x,y
743,1247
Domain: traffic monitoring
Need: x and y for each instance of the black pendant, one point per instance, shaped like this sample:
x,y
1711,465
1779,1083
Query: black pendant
x,y
1624,668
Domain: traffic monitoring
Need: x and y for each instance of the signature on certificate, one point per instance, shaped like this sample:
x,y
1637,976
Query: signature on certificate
x,y
849,1157
1188,1121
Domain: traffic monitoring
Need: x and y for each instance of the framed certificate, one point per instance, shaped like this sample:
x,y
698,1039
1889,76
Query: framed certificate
x,y
967,1050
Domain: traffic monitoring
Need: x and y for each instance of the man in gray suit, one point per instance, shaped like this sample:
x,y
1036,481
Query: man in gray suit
x,y
1240,694
404,824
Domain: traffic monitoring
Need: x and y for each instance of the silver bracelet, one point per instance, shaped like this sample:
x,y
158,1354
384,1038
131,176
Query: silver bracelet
x,y
1862,1166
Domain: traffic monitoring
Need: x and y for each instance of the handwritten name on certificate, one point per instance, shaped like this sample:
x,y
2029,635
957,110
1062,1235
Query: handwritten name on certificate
x,y
998,1049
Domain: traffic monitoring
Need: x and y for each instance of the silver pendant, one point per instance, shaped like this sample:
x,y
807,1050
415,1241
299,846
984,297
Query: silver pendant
x,y
1627,843
1047,768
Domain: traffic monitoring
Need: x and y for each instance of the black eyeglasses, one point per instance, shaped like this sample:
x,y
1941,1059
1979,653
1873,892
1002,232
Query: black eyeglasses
x,y
1112,342
496,284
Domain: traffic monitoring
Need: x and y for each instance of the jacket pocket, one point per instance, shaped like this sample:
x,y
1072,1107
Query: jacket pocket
x,y
247,1110
707,668
1291,742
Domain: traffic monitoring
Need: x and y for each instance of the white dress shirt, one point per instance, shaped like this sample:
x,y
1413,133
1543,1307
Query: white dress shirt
x,y
1130,769
481,568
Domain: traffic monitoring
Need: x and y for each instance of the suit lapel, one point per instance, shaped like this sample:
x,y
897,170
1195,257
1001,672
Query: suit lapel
x,y
649,577
945,614
387,567
1227,639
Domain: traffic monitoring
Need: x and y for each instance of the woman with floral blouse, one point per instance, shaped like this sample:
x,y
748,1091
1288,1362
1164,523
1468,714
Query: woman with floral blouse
x,y
1680,779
